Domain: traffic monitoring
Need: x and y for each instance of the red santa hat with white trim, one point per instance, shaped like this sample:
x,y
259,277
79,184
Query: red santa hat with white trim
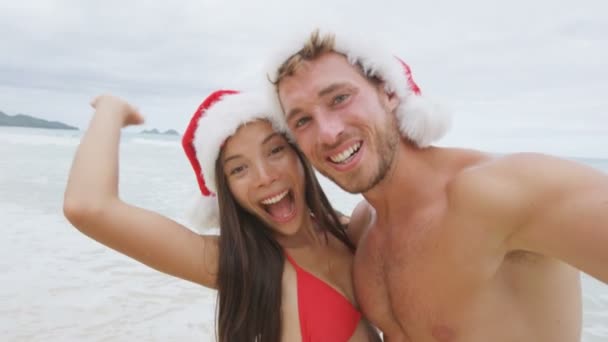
x,y
216,119
421,120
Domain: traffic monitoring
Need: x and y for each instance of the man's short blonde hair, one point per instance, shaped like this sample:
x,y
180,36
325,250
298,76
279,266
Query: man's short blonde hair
x,y
315,46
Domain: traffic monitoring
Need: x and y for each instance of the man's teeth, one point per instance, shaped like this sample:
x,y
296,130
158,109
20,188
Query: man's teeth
x,y
341,157
275,199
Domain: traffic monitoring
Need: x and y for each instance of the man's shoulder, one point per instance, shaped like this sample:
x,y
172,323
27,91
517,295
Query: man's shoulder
x,y
497,168
360,221
522,178
490,184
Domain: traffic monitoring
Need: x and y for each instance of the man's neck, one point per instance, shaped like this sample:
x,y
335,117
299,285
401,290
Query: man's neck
x,y
415,178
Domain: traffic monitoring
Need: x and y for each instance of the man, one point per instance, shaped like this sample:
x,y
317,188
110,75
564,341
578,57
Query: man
x,y
456,245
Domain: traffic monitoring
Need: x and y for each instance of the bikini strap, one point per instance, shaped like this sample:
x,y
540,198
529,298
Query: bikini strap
x,y
291,261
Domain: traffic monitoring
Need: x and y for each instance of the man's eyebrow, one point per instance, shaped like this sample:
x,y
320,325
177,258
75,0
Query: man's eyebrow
x,y
330,88
293,113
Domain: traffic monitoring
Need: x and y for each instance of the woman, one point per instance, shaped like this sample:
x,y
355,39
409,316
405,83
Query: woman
x,y
282,262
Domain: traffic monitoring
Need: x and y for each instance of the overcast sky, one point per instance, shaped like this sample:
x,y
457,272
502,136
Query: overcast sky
x,y
519,75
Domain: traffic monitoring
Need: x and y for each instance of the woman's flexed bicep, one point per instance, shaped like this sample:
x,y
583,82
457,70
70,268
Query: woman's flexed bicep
x,y
93,206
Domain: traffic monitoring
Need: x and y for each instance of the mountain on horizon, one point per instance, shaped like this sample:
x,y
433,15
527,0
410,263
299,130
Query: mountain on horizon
x,y
22,120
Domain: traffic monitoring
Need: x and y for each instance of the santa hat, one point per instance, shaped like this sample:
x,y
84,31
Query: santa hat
x,y
216,119
421,120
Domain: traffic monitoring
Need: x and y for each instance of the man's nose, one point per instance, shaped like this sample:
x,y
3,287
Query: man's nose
x,y
330,128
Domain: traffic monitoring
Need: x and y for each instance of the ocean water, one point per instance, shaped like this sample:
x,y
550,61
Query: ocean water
x,y
58,285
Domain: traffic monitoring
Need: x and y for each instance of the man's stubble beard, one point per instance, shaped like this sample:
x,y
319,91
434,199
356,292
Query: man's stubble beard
x,y
386,147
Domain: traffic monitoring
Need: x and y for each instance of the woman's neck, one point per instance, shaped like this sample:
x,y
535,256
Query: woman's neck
x,y
307,236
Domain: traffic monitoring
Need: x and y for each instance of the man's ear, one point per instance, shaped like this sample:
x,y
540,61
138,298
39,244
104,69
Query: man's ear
x,y
390,100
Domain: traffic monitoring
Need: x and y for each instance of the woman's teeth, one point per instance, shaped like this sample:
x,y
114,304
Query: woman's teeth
x,y
275,199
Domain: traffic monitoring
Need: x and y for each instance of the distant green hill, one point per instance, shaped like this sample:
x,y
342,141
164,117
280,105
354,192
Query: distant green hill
x,y
156,131
21,120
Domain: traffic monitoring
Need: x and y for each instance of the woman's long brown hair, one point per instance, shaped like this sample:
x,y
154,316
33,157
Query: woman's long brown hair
x,y
251,262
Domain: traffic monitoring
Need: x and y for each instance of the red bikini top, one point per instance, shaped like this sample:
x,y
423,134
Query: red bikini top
x,y
325,314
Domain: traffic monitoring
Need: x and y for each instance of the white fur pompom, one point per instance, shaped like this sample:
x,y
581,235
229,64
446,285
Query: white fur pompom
x,y
204,214
422,120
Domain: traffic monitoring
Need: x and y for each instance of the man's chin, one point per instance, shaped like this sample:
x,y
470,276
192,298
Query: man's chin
x,y
357,189
351,184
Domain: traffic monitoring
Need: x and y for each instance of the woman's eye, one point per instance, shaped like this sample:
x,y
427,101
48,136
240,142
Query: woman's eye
x,y
277,149
237,170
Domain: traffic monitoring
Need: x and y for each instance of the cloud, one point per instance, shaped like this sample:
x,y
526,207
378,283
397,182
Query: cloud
x,y
501,65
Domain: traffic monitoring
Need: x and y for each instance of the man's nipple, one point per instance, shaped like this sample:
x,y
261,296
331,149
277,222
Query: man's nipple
x,y
441,333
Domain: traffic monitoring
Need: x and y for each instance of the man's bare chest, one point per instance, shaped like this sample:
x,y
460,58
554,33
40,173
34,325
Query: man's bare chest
x,y
422,280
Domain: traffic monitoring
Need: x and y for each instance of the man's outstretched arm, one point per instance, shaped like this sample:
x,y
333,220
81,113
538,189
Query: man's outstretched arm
x,y
563,211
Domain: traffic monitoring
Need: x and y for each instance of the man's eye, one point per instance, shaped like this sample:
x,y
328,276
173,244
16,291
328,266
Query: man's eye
x,y
302,121
340,98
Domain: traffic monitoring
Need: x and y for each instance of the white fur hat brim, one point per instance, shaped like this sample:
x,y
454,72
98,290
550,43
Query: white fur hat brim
x,y
216,124
222,120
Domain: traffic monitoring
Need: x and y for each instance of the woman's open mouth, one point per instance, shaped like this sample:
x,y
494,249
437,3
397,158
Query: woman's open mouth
x,y
281,207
